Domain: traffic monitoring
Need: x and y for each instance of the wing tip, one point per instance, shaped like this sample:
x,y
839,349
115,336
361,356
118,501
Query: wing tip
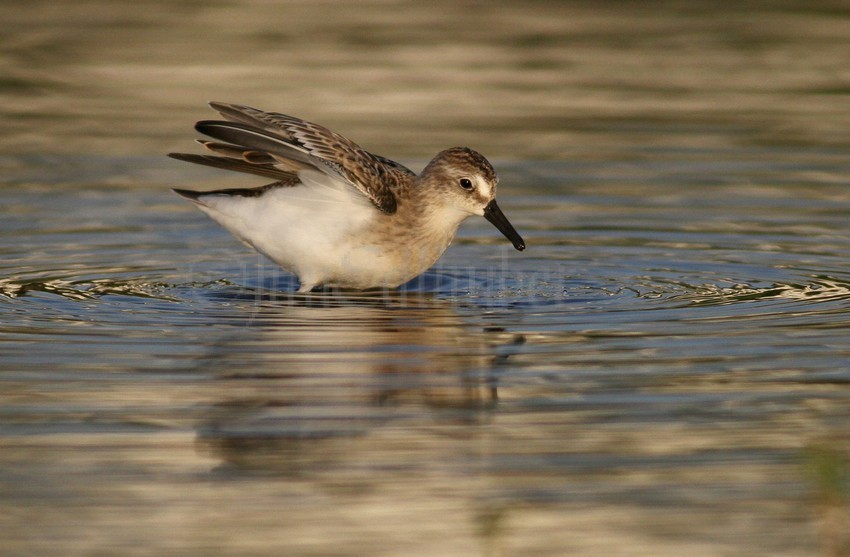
x,y
218,106
191,195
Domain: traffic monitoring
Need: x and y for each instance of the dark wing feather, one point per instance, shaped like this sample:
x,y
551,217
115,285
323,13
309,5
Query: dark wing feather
x,y
233,192
238,165
245,137
278,146
289,137
234,151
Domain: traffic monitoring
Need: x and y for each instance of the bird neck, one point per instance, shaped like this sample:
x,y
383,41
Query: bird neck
x,y
432,225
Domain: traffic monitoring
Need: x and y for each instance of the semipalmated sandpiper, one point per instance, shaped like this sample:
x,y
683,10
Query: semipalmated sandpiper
x,y
335,214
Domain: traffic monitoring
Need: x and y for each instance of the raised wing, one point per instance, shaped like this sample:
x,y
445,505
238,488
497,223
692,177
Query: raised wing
x,y
278,146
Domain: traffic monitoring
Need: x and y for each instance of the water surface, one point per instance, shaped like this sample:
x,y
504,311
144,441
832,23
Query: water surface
x,y
664,371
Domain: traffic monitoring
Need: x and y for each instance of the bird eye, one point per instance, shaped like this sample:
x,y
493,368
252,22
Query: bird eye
x,y
466,183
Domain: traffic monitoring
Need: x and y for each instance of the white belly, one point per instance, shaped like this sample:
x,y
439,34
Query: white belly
x,y
321,240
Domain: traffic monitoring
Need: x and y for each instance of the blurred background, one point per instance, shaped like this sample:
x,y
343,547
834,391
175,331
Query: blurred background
x,y
664,371
521,80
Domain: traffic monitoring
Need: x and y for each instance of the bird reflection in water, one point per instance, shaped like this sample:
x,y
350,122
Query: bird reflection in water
x,y
317,387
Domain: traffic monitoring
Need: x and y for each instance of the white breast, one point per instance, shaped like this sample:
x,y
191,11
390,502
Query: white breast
x,y
313,230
